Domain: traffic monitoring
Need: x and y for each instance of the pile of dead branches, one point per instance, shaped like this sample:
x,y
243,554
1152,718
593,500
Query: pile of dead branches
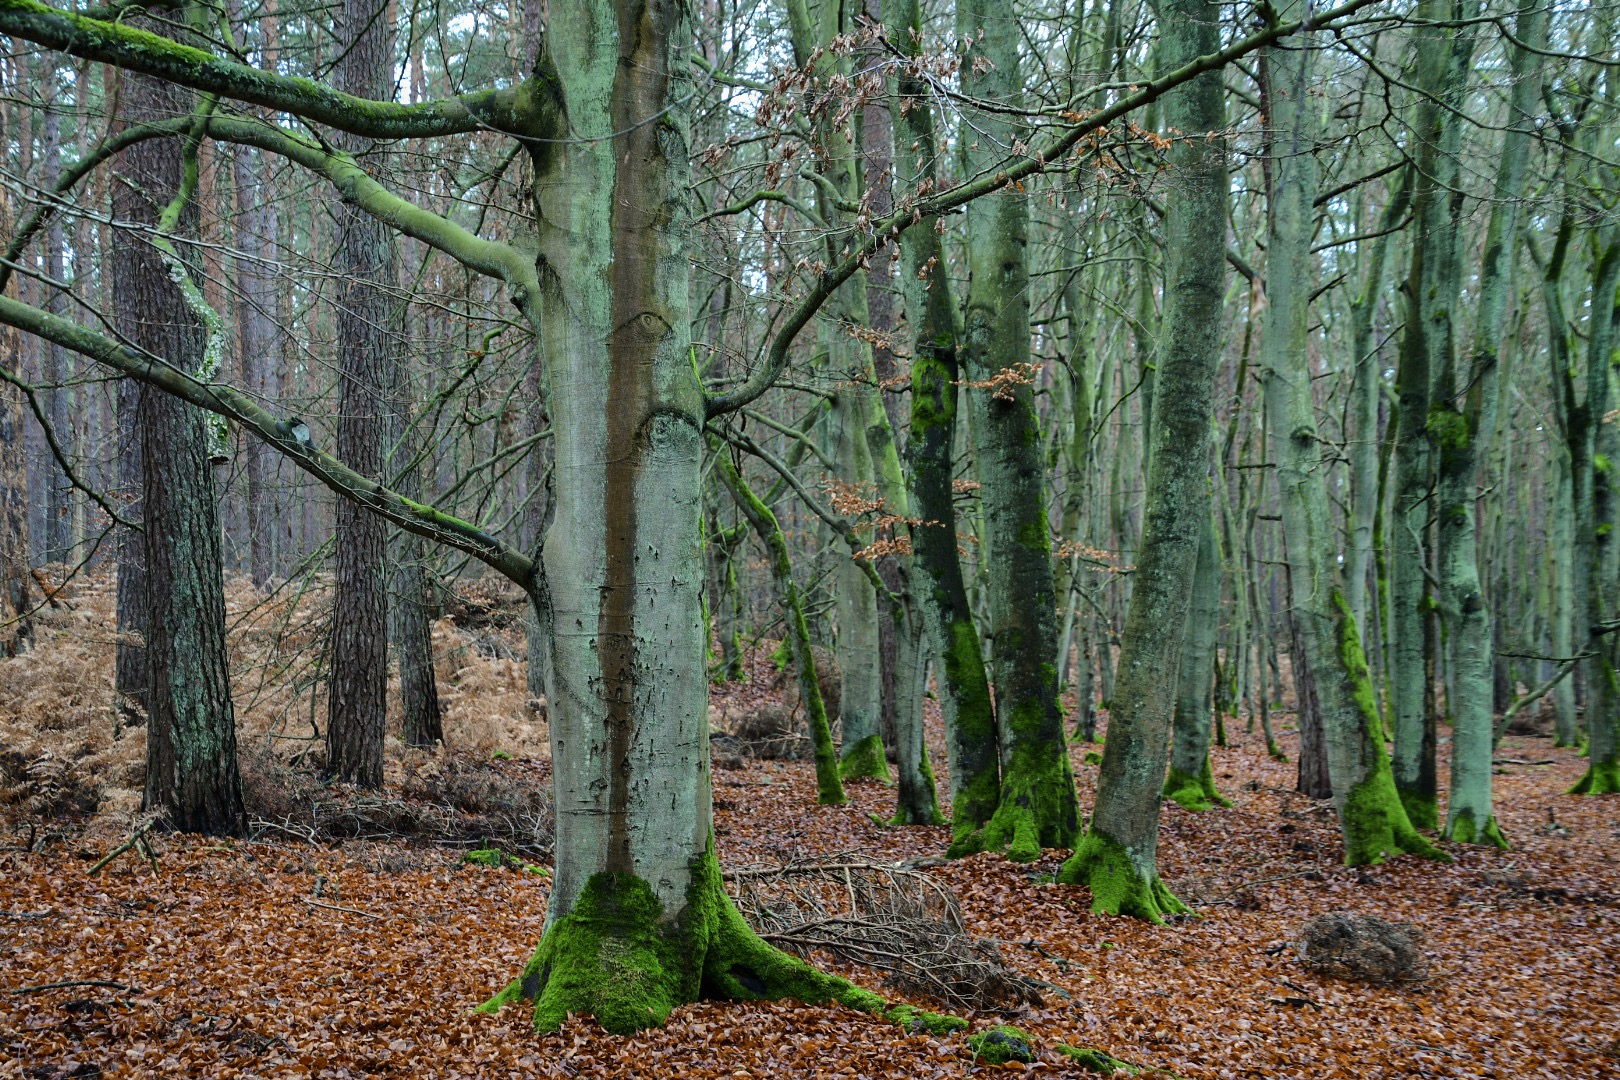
x,y
898,920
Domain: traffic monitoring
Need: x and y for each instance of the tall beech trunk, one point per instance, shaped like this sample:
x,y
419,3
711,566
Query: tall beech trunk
x,y
1593,450
860,668
1464,415
769,531
1191,781
191,772
939,586
367,325
1118,857
1371,818
866,632
638,920
1443,49
1037,807
1364,394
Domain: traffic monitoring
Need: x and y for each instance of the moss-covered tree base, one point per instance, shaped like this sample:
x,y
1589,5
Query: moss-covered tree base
x,y
1422,808
616,957
1117,886
1602,778
1192,792
1376,825
865,760
1037,810
1463,829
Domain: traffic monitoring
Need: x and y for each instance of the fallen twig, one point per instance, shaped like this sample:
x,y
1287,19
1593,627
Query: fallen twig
x,y
349,910
136,839
65,984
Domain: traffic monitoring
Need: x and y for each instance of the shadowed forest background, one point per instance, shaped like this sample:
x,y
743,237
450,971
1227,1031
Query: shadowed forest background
x,y
807,538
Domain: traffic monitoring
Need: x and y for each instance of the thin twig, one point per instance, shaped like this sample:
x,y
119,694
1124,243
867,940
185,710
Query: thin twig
x,y
349,910
77,982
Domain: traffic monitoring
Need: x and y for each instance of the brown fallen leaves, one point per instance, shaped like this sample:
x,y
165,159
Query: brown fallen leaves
x,y
243,962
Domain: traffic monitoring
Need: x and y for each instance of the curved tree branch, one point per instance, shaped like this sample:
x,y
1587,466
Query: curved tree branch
x,y
1011,171
408,514
526,109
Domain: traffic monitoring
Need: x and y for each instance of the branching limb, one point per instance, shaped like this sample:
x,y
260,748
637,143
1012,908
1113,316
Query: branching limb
x,y
527,109
408,514
489,257
1010,171
59,454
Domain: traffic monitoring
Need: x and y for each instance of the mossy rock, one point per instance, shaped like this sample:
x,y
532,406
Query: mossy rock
x,y
917,1021
495,857
1092,758
1095,1060
1001,1044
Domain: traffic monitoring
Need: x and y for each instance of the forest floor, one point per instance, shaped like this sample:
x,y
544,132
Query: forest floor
x,y
362,958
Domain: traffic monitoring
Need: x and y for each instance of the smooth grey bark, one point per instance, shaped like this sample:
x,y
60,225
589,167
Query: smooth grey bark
x,y
1118,857
1371,818
1443,52
1191,782
1037,807
367,342
1367,381
940,588
1462,419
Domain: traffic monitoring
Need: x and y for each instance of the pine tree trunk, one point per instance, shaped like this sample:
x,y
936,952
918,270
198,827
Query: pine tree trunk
x,y
191,773
59,494
367,324
16,574
258,316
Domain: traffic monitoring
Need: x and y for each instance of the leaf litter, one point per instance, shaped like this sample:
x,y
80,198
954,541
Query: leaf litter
x,y
356,957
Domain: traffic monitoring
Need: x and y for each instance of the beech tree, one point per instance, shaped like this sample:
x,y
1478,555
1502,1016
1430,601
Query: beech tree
x,y
638,921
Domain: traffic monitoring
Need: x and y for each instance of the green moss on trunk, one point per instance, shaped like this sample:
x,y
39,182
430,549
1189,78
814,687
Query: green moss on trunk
x,y
1602,778
617,956
1117,886
1422,808
1374,820
1465,830
865,760
1037,807
1375,824
1194,792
